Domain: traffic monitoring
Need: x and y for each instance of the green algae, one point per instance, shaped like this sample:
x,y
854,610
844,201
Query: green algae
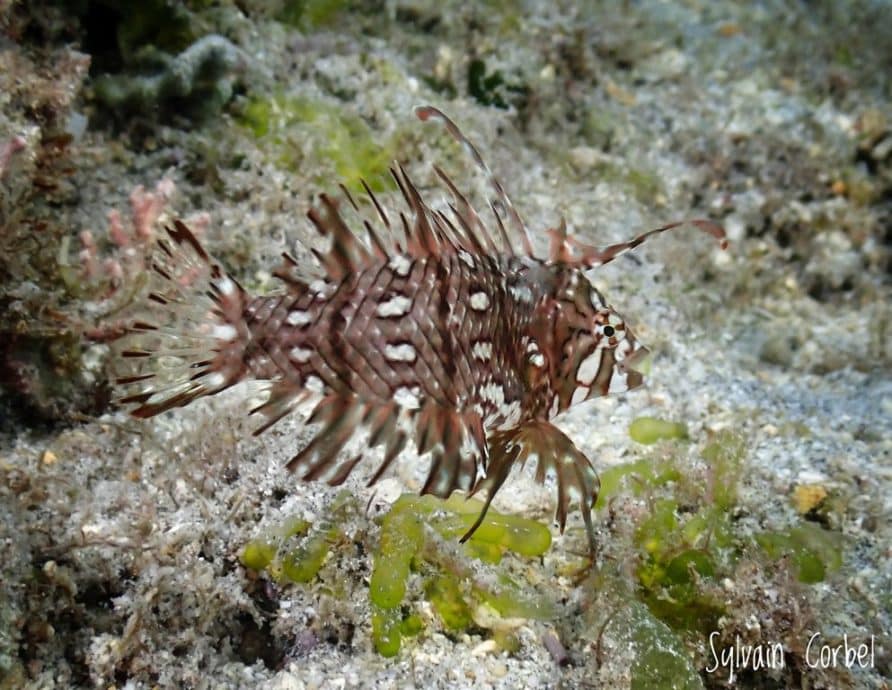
x,y
274,553
649,430
661,660
401,539
725,456
303,563
386,633
302,132
686,541
639,476
686,536
813,551
411,535
418,534
258,554
445,595
308,15
498,531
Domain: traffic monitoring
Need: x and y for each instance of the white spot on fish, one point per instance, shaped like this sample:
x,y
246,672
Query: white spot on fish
x,y
395,306
403,352
480,301
226,287
314,384
301,355
538,360
298,318
580,394
618,384
466,258
572,490
521,293
588,369
215,380
506,416
322,289
406,397
482,350
400,265
224,332
493,393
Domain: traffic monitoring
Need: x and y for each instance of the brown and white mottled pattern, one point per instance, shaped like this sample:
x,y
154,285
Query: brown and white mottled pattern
x,y
439,328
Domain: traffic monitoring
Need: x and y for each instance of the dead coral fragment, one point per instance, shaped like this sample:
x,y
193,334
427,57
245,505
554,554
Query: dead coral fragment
x,y
200,80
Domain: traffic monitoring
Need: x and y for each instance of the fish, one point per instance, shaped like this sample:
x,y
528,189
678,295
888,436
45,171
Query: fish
x,y
436,327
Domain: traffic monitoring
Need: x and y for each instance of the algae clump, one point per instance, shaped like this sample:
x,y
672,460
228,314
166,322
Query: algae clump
x,y
409,541
648,430
305,132
813,551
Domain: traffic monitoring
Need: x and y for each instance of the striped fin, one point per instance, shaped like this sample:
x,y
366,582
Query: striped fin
x,y
501,200
568,250
193,343
554,452
421,230
456,445
454,441
347,253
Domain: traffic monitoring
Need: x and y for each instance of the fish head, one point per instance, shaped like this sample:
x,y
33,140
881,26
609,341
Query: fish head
x,y
599,353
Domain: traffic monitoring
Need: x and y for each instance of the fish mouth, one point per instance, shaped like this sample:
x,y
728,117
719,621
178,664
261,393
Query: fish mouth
x,y
637,366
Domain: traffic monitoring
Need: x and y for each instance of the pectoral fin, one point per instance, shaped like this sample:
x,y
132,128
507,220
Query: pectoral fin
x,y
555,452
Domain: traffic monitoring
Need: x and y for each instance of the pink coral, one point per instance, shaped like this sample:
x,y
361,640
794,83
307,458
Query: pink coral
x,y
7,151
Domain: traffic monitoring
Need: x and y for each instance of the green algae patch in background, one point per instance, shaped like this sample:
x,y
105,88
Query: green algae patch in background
x,y
695,568
661,660
685,534
308,15
302,132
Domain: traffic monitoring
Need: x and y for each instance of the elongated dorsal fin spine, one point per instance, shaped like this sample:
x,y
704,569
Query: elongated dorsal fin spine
x,y
571,251
428,112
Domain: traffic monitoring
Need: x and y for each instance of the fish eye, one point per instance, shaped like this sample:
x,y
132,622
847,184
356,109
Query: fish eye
x,y
611,328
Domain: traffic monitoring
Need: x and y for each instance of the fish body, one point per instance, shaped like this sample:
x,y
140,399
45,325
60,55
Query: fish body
x,y
438,330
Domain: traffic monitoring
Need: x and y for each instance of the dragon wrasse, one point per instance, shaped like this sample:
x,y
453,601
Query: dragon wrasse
x,y
435,327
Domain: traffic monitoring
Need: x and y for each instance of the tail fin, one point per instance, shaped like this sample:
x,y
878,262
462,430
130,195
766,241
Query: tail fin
x,y
195,343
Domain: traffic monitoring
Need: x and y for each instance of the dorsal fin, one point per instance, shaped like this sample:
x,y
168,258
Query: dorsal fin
x,y
567,249
469,219
346,254
425,231
422,239
501,198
